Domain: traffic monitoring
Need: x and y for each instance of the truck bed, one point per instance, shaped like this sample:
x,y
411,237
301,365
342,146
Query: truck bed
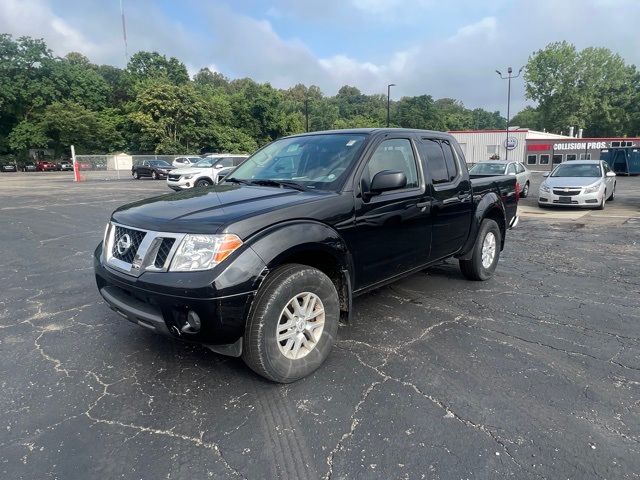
x,y
503,185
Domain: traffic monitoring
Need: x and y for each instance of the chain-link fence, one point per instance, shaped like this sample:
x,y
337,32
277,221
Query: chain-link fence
x,y
112,167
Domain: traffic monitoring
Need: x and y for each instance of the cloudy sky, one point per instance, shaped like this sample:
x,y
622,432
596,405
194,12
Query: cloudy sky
x,y
445,49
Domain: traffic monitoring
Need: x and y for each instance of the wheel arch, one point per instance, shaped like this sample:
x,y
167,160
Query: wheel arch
x,y
309,243
490,206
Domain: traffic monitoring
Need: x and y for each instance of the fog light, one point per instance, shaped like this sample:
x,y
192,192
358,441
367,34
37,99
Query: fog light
x,y
193,324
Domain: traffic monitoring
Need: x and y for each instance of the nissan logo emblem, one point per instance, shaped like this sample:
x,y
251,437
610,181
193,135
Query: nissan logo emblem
x,y
124,244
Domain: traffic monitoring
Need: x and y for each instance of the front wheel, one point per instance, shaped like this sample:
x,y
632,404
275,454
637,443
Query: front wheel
x,y
154,175
525,191
292,324
603,202
485,253
203,183
135,175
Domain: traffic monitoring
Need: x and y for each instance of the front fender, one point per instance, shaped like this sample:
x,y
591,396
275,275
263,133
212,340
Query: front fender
x,y
489,205
299,236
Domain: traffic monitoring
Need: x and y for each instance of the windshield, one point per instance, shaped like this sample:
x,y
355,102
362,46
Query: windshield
x,y
314,161
207,162
487,168
159,163
577,170
194,159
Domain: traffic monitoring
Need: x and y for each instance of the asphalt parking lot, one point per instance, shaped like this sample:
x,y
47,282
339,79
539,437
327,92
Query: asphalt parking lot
x,y
533,374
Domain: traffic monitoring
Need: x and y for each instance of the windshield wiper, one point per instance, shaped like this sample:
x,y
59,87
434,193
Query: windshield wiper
x,y
278,183
237,180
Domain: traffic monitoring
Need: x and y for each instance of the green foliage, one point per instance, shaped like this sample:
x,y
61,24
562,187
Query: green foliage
x,y
153,106
592,89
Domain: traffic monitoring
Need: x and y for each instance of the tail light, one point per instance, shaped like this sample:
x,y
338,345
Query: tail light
x,y
518,190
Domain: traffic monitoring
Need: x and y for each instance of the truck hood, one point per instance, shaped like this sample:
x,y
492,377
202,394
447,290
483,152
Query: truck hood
x,y
209,210
190,170
555,182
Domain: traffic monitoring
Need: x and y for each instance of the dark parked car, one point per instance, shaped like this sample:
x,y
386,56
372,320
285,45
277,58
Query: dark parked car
x,y
8,167
64,166
45,166
28,167
265,264
151,168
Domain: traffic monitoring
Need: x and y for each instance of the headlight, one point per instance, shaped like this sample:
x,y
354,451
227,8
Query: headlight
x,y
203,252
592,188
544,188
188,177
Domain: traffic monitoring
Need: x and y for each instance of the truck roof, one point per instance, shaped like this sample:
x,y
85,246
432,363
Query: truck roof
x,y
370,131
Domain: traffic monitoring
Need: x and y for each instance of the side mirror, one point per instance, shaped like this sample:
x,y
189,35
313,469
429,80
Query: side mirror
x,y
219,166
387,180
611,174
545,174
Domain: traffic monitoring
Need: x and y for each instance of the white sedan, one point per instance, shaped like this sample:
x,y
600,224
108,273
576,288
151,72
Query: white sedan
x,y
502,167
578,183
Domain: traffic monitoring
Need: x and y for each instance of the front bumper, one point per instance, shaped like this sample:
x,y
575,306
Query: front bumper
x,y
180,184
161,301
585,200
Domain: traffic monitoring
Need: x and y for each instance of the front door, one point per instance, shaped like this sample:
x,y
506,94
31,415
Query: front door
x,y
452,204
392,232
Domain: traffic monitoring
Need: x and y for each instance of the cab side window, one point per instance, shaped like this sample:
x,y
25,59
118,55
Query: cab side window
x,y
452,165
395,154
434,157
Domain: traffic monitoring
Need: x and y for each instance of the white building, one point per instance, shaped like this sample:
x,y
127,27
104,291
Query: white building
x,y
482,145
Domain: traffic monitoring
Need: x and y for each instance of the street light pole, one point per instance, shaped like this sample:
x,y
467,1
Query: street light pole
x,y
306,112
389,102
508,77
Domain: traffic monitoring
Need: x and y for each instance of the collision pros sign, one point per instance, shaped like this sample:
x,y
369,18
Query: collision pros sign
x,y
579,145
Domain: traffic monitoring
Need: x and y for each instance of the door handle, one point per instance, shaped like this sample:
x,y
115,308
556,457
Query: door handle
x,y
426,204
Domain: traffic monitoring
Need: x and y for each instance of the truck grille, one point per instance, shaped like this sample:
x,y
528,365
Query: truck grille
x,y
174,177
135,251
126,242
163,252
569,193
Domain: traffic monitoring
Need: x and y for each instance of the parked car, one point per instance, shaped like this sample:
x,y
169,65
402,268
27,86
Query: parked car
x,y
204,173
45,166
181,162
503,167
28,167
265,264
579,183
64,166
151,168
8,167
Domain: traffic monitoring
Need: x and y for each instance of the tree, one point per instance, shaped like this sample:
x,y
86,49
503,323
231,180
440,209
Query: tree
x,y
592,89
26,135
528,117
417,112
144,66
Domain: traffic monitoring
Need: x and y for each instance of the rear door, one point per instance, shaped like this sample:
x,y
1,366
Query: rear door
x,y
452,203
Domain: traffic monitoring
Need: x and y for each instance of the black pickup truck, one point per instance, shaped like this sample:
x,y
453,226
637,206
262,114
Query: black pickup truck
x,y
266,263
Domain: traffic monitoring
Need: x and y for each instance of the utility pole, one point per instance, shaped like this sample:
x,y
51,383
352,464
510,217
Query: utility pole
x,y
389,103
508,77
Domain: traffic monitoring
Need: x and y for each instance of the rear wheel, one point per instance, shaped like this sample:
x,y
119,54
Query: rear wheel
x,y
135,175
154,175
203,182
525,191
292,325
486,252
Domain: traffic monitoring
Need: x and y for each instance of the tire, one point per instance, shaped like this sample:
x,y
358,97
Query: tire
x,y
203,183
154,175
135,175
525,191
474,269
603,202
612,197
262,352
